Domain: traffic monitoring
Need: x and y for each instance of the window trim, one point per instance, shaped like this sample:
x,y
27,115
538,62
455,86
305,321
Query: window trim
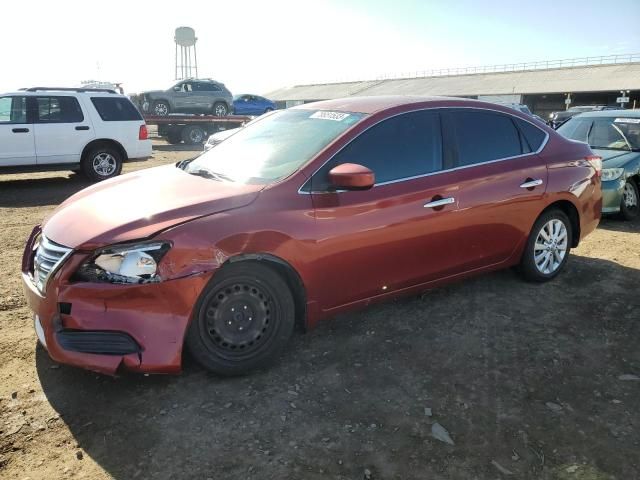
x,y
453,169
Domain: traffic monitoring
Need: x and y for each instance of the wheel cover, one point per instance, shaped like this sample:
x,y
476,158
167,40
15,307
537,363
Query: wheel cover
x,y
161,109
629,196
237,319
551,246
221,110
104,164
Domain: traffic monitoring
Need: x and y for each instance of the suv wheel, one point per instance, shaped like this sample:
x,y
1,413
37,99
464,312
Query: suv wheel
x,y
161,108
193,135
548,247
101,163
243,319
220,109
630,204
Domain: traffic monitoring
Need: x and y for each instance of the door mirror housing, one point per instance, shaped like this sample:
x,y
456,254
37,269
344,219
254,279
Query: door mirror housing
x,y
351,176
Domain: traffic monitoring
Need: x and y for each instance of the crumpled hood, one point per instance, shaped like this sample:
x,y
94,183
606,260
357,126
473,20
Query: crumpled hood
x,y
615,158
139,204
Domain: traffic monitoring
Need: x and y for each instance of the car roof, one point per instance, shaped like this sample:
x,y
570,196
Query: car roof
x,y
612,113
375,104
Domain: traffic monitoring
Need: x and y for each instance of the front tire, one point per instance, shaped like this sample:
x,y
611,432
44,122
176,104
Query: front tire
x,y
243,319
630,204
548,247
220,109
101,163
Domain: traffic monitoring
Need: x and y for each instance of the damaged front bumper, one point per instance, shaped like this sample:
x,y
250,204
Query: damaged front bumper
x,y
103,327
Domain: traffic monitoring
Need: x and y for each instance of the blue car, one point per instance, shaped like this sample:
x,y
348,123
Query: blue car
x,y
247,104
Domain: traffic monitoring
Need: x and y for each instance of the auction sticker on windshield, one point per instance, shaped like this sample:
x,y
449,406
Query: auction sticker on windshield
x,y
627,120
336,116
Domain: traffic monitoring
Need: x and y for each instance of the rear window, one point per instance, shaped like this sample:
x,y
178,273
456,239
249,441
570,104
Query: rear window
x,y
532,134
484,136
115,109
576,129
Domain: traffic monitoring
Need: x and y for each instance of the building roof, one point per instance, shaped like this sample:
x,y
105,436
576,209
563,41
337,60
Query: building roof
x,y
592,78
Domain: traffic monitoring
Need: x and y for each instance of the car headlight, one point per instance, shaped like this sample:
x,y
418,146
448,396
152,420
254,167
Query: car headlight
x,y
132,263
611,174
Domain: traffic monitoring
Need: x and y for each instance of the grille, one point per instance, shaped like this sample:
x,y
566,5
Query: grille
x,y
49,256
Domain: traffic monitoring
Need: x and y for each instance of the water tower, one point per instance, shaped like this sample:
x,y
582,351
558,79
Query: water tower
x,y
187,65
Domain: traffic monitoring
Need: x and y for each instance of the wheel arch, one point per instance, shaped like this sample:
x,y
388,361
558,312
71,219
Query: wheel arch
x,y
574,217
101,142
287,272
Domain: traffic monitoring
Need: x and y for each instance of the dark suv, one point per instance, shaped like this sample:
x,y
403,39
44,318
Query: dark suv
x,y
189,96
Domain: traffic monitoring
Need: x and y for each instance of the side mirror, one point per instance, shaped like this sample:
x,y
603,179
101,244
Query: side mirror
x,y
351,176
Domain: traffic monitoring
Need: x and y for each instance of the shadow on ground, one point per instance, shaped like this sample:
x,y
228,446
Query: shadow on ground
x,y
178,148
522,376
616,225
36,192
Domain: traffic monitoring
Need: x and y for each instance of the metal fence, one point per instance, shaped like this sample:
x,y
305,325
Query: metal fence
x,y
507,67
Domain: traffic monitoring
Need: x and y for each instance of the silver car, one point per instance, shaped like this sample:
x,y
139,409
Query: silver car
x,y
204,96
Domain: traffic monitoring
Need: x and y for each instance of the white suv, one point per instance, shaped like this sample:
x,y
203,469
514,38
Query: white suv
x,y
87,130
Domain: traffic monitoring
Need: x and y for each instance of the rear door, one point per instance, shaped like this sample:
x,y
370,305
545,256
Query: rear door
x,y
501,182
61,129
392,236
242,106
17,146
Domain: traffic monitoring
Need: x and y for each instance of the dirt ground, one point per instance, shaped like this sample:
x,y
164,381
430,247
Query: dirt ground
x,y
530,381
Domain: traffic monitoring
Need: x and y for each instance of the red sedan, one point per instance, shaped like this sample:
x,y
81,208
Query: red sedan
x,y
304,213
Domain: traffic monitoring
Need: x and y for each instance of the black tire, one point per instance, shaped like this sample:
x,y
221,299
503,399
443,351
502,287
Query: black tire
x,y
220,109
528,267
267,110
161,108
101,163
243,319
193,135
174,137
630,212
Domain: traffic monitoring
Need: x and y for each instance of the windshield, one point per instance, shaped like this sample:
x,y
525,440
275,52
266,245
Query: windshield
x,y
273,147
614,133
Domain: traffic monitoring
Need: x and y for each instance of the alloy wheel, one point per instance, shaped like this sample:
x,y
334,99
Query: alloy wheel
x,y
220,110
551,246
629,196
161,109
104,164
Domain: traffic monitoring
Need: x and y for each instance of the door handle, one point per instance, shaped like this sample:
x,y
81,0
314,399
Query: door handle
x,y
440,203
531,183
83,127
20,130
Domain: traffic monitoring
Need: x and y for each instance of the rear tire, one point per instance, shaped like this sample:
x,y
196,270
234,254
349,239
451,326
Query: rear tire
x,y
101,163
174,138
243,319
161,108
630,203
548,247
193,135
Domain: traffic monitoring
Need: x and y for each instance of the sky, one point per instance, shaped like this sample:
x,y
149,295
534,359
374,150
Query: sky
x,y
256,46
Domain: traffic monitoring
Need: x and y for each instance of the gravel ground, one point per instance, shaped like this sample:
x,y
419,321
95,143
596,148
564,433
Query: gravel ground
x,y
486,379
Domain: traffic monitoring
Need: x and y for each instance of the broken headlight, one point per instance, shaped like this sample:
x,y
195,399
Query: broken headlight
x,y
133,263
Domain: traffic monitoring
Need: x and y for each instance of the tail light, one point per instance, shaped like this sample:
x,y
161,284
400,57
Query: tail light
x,y
596,162
144,134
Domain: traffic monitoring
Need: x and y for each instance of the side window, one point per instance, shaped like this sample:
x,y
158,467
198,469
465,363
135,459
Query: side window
x,y
207,87
533,136
576,129
58,110
13,110
400,147
605,134
484,136
115,109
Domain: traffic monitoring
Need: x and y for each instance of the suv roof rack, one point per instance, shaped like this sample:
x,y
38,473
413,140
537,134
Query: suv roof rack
x,y
68,89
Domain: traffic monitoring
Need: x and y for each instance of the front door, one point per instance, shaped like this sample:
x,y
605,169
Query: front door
x,y
17,145
400,233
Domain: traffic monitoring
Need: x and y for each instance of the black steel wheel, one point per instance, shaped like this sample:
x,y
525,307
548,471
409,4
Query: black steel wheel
x,y
243,319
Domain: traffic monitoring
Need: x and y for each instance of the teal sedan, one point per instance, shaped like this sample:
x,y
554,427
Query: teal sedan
x,y
615,136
